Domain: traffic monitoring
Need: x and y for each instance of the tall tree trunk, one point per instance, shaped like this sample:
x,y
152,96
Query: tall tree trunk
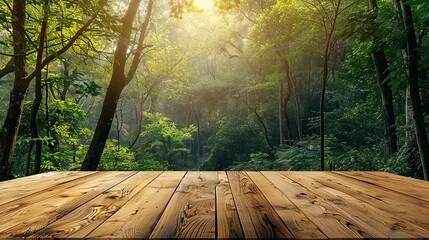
x,y
139,122
102,130
28,165
382,73
413,81
410,150
117,83
297,109
287,99
67,82
199,137
17,96
326,55
38,94
22,82
263,125
153,107
281,137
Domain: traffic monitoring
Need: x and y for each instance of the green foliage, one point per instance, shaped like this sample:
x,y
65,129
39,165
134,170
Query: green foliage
x,y
163,141
180,7
114,158
234,142
152,165
117,158
364,159
202,66
65,120
258,162
57,161
303,156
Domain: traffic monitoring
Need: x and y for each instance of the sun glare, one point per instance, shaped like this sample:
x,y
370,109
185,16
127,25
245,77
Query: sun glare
x,y
206,5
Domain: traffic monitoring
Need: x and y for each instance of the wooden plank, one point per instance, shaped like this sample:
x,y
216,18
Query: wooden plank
x,y
331,220
47,192
258,218
393,178
408,187
21,187
30,219
296,221
83,220
137,218
228,223
191,211
410,209
384,222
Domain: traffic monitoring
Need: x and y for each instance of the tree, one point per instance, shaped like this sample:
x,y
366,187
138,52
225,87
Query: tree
x,y
412,61
118,81
22,81
13,117
163,141
327,14
382,72
38,89
227,144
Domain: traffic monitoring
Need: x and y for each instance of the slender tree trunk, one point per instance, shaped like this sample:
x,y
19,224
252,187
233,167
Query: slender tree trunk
x,y
17,96
22,82
382,73
102,130
326,55
139,123
198,139
38,95
117,83
413,81
28,165
297,109
67,82
322,113
263,125
410,149
281,137
153,108
287,99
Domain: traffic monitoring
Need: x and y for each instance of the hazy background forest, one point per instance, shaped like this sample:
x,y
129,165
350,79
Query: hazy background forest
x,y
214,85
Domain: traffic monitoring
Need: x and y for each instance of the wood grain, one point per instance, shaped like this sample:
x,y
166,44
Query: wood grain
x,y
14,189
410,188
258,218
191,211
228,223
408,208
30,219
386,223
224,205
49,191
422,184
331,220
137,218
84,219
296,221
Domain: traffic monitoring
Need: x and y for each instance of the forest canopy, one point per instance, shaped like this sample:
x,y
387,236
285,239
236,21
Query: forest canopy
x,y
214,85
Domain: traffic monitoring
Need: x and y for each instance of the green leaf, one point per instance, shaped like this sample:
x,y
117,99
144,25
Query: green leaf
x,y
46,8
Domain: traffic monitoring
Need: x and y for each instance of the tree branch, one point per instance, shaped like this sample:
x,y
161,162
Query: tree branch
x,y
84,28
143,29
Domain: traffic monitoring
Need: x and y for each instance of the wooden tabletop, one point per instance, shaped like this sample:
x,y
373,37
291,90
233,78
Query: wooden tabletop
x,y
301,205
